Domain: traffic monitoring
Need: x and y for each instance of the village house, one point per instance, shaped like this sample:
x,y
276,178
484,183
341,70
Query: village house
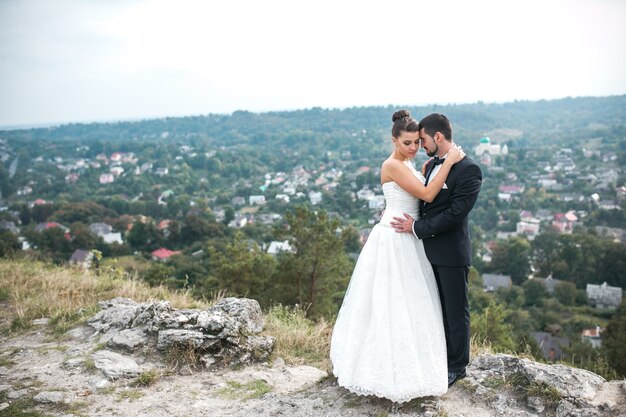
x,y
491,282
163,254
593,336
81,258
106,178
549,282
565,222
604,296
10,226
551,346
377,203
239,221
530,227
276,248
365,194
237,201
315,197
282,197
256,199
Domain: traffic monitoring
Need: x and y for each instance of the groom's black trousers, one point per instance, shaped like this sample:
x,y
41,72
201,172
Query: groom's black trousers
x,y
453,293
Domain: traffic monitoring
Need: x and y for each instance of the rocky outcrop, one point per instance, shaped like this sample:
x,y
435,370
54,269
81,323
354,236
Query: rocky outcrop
x,y
513,386
225,334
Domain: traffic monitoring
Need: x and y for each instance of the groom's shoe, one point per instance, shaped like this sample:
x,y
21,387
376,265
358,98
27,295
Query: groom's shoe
x,y
455,376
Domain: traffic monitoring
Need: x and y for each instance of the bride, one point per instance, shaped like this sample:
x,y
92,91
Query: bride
x,y
388,339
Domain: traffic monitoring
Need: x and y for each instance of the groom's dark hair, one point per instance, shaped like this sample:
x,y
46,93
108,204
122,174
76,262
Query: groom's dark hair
x,y
437,122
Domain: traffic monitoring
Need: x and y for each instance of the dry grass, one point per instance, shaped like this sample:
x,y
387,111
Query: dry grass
x,y
36,289
298,339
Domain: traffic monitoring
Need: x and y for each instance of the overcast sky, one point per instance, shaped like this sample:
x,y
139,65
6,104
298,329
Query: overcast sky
x,y
70,60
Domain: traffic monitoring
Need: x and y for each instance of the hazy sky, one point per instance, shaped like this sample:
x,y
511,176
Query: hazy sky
x,y
70,60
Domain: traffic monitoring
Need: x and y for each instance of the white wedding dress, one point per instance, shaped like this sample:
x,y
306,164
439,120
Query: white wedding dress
x,y
388,339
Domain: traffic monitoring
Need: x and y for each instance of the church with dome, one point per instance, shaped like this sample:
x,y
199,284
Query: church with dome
x,y
486,147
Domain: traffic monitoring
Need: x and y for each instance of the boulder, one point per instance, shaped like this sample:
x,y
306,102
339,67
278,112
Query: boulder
x,y
224,334
114,365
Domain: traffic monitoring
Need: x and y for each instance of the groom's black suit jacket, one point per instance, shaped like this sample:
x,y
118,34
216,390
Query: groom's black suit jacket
x,y
443,223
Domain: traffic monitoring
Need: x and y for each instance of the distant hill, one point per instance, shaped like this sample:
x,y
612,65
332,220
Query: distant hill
x,y
572,118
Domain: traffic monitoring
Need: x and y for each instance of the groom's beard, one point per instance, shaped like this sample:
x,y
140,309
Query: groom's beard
x,y
433,152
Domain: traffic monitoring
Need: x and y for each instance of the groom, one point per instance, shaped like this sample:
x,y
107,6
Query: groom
x,y
443,228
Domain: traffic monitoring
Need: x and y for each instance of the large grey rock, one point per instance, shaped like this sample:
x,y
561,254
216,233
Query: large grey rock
x,y
128,339
226,333
558,390
50,397
568,381
245,310
198,340
115,365
116,313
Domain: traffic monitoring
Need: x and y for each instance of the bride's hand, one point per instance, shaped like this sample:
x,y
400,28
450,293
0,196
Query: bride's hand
x,y
455,154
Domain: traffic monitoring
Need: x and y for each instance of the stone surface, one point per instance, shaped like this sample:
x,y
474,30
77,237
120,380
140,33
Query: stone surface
x,y
115,365
128,339
40,322
47,397
13,395
225,334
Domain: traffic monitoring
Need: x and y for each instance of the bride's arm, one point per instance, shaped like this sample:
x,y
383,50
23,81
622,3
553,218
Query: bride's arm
x,y
403,176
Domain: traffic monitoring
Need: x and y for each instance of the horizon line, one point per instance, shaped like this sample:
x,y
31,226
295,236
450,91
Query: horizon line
x,y
55,124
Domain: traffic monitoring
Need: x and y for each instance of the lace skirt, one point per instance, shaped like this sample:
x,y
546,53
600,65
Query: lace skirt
x,y
388,339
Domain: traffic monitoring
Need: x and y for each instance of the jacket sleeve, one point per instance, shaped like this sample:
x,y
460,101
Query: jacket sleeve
x,y
462,200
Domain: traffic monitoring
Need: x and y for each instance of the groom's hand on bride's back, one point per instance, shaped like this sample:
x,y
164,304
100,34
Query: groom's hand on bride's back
x,y
403,225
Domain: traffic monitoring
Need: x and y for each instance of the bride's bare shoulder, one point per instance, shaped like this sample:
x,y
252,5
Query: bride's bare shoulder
x,y
391,163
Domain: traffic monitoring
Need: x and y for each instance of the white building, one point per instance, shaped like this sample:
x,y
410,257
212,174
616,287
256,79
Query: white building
x,y
277,247
365,194
604,296
257,199
282,197
377,203
315,197
486,146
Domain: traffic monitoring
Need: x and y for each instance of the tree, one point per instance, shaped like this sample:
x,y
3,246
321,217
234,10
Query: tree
x,y
316,275
144,236
243,269
614,340
535,292
512,257
565,292
491,327
8,243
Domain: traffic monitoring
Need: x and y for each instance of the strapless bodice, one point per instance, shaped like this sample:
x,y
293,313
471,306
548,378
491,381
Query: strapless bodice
x,y
399,201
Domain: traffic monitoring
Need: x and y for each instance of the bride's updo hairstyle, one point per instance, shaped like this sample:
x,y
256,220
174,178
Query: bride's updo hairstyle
x,y
403,122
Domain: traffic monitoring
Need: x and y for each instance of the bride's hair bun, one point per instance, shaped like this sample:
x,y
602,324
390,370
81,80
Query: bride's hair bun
x,y
399,115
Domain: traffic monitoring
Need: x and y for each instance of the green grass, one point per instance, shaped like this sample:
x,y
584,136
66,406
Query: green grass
x,y
549,394
147,378
90,365
252,389
130,395
21,408
493,381
6,362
